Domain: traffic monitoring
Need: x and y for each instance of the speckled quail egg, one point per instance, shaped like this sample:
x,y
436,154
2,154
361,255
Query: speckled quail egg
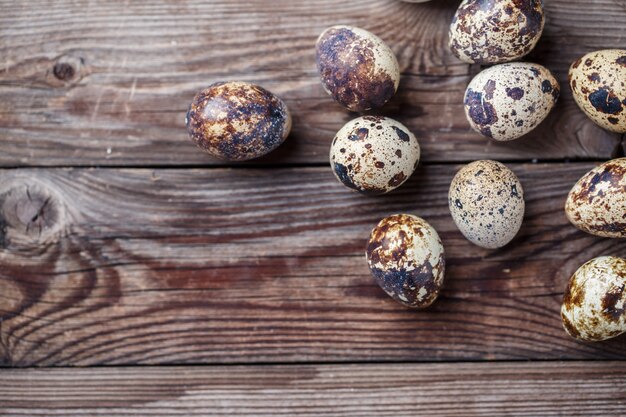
x,y
507,101
374,155
594,305
487,203
597,203
598,82
357,68
237,121
406,258
492,32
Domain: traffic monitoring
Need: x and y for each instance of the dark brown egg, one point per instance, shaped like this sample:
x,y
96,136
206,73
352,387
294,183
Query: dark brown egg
x,y
357,68
237,121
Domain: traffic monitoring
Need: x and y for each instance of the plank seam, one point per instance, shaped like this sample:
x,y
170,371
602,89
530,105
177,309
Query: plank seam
x,y
317,363
297,165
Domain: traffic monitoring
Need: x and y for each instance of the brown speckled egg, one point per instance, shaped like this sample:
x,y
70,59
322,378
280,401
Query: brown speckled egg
x,y
507,101
594,305
357,68
237,121
597,203
598,82
406,258
374,155
487,203
495,31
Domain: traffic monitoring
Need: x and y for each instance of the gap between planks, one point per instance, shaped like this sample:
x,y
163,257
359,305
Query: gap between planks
x,y
254,165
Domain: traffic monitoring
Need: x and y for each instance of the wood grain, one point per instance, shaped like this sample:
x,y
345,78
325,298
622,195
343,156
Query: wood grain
x,y
108,83
501,389
110,266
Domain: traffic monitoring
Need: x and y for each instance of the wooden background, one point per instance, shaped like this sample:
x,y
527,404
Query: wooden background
x,y
192,287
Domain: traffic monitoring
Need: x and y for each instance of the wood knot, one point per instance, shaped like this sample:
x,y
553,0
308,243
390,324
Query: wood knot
x,y
68,69
30,214
63,71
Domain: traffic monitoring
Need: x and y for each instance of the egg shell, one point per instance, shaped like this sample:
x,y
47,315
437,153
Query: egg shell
x,y
486,201
495,31
237,121
598,82
374,155
597,202
594,305
507,101
357,68
406,258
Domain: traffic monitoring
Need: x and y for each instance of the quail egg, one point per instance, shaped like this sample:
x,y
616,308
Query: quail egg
x,y
374,155
598,82
507,101
594,305
597,202
237,121
357,68
486,201
492,32
406,258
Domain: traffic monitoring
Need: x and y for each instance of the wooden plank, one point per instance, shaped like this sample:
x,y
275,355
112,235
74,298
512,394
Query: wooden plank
x,y
453,389
109,266
108,83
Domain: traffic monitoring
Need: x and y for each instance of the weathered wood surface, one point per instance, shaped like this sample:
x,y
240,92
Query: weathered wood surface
x,y
109,266
480,389
108,83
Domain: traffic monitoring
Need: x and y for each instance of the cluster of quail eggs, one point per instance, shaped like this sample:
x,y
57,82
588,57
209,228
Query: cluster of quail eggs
x,y
594,305
374,155
370,154
508,100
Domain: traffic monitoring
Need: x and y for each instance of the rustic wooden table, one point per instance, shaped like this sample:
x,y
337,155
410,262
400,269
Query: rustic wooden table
x,y
140,277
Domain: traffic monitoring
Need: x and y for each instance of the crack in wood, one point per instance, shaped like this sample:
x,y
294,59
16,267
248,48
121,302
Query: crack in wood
x,y
5,352
38,219
3,232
